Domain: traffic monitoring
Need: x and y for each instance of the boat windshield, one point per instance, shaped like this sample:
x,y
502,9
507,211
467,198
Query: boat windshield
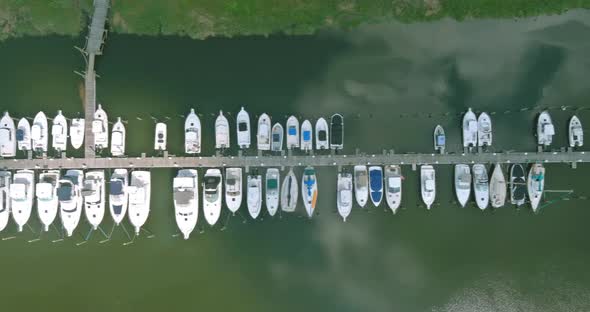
x,y
292,130
322,135
183,197
306,135
242,126
276,137
376,180
211,184
394,185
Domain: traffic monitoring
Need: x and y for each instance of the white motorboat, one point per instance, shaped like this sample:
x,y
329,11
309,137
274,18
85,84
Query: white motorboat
x,y
277,138
118,195
7,136
160,137
59,132
221,132
518,186
243,128
289,192
535,186
70,200
39,133
306,136
118,138
361,185
292,133
94,196
212,195
469,129
5,181
440,140
192,133
344,194
263,136
336,132
233,189
393,186
576,132
46,192
23,135
140,191
186,200
100,128
545,129
77,132
376,184
254,196
428,185
497,187
321,134
484,130
309,190
481,186
272,190
22,191
462,183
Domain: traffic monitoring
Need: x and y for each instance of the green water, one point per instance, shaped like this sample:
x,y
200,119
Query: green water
x,y
393,83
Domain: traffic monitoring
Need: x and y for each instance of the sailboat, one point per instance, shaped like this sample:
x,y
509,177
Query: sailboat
x,y
212,195
160,137
535,186
393,186
39,133
118,195
272,190
263,136
321,134
7,136
376,184
481,187
59,132
545,129
469,129
427,185
518,187
94,196
440,139
462,183
186,200
118,138
292,132
192,133
47,202
337,132
254,199
344,194
139,198
576,132
100,128
484,130
289,192
277,138
243,125
221,132
361,185
22,191
306,136
23,135
497,187
5,181
70,200
233,188
309,190
77,132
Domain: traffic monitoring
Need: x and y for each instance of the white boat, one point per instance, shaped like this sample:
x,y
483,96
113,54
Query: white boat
x,y
5,181
118,138
118,195
376,184
336,132
39,133
192,133
94,196
277,138
70,200
139,198
292,132
23,135
233,189
361,185
212,195
427,185
321,134
100,128
22,191
576,132
518,188
306,136
484,130
309,190
221,132
7,136
535,186
243,128
160,137
440,140
272,190
289,192
462,183
393,186
186,200
254,195
59,132
77,132
469,129
545,129
497,187
46,192
344,194
481,186
263,135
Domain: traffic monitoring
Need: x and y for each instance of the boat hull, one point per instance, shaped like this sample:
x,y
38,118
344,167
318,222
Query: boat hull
x,y
289,192
306,136
263,135
481,187
427,185
344,195
462,183
77,128
192,133
536,185
139,199
212,196
497,188
292,133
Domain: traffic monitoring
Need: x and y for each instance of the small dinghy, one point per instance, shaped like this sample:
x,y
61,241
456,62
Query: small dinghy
x,y
545,129
481,186
306,136
100,129
462,183
336,132
263,136
160,137
69,194
94,196
427,185
39,133
321,134
139,199
46,192
517,185
22,191
7,136
393,186
361,185
77,132
484,130
309,190
576,132
272,190
186,200
289,192
535,186
243,125
440,140
192,133
376,184
5,181
344,194
469,129
212,195
254,195
118,195
118,138
221,131
277,138
59,132
23,135
233,189
497,187
292,133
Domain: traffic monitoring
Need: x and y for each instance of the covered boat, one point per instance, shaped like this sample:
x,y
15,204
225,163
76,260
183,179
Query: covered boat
x,y
440,140
321,134
497,187
336,132
263,135
289,192
192,133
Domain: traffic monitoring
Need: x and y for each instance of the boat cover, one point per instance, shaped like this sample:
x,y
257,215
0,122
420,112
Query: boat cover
x,y
116,187
440,140
548,129
20,134
117,209
271,184
322,135
429,185
376,180
64,192
306,135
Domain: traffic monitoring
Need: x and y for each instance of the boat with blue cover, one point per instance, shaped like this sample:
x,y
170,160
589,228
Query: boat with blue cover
x,y
376,184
